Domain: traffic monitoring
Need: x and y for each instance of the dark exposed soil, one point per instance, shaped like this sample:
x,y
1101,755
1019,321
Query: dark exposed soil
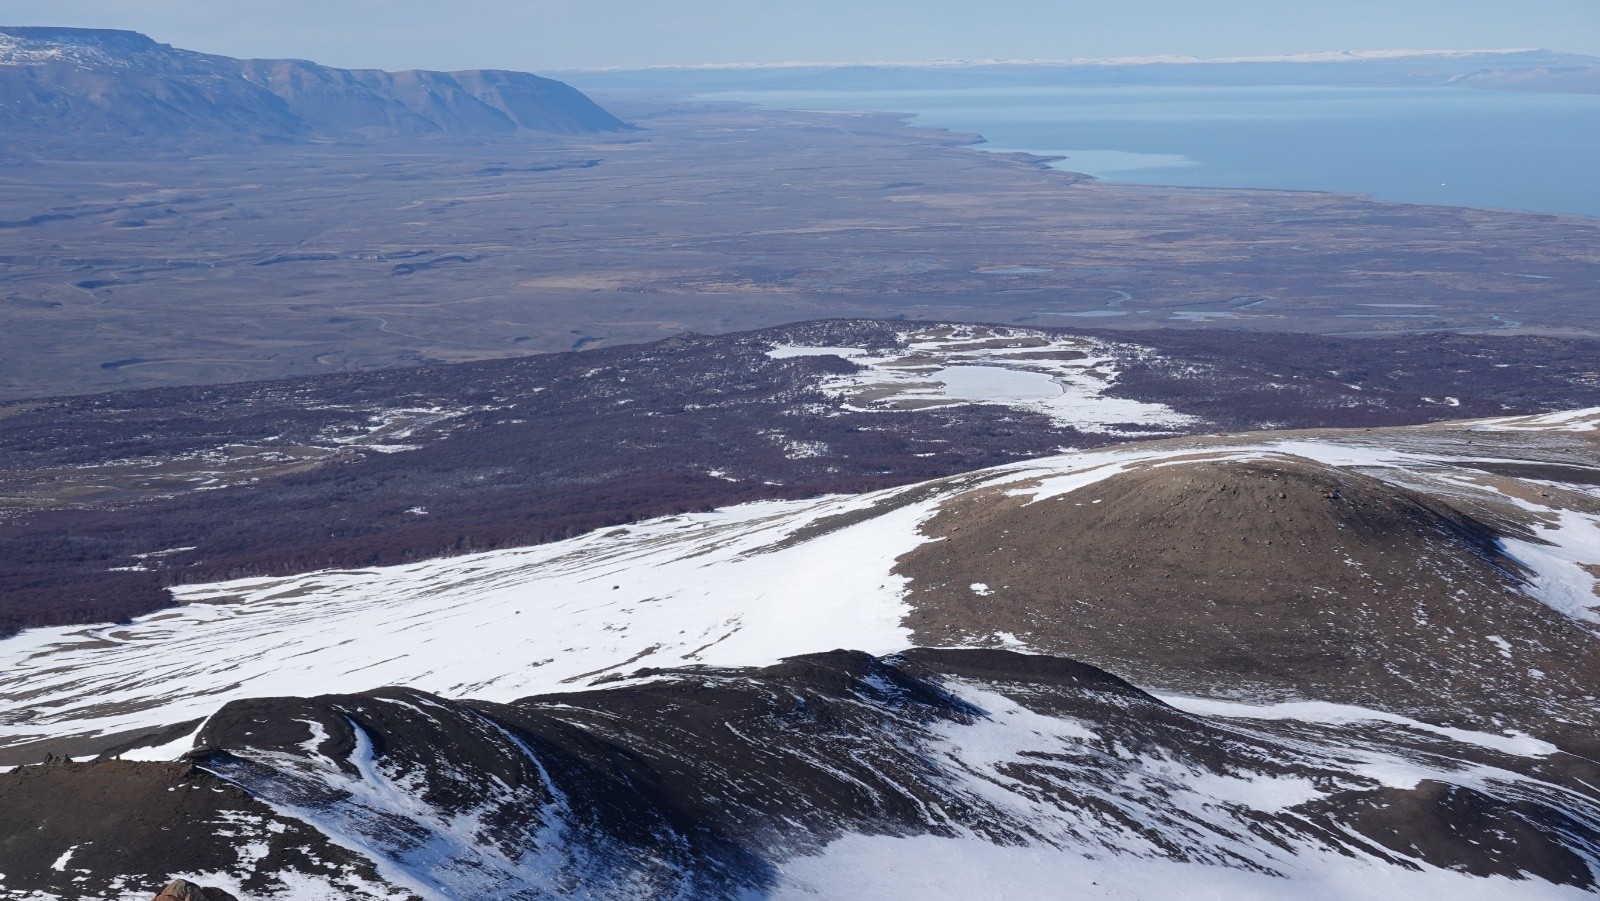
x,y
1460,828
138,824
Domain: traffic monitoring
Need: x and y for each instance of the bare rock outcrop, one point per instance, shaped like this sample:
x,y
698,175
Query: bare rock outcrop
x,y
184,890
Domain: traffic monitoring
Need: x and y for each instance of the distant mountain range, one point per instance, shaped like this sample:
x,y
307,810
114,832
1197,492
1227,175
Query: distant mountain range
x,y
1499,69
62,82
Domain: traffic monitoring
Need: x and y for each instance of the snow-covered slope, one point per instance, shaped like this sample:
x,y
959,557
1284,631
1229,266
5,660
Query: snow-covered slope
x,y
544,691
745,586
910,774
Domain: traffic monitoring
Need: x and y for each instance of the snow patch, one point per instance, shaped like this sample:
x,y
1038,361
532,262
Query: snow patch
x,y
60,866
172,750
1064,378
1563,572
1583,420
1515,743
745,586
932,867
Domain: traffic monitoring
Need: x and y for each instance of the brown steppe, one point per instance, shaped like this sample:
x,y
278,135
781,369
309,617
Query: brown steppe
x,y
123,269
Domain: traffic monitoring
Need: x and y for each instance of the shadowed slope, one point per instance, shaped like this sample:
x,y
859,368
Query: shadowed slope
x,y
710,783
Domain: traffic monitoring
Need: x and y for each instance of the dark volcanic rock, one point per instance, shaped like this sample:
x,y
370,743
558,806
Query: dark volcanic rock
x,y
98,830
1461,828
704,782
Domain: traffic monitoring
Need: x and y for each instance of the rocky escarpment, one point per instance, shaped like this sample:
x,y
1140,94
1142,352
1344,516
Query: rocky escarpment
x,y
68,82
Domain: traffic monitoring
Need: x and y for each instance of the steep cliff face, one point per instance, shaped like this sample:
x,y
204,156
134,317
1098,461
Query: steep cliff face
x,y
66,81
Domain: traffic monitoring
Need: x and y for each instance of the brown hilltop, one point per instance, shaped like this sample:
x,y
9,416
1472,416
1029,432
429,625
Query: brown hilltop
x,y
184,890
1277,578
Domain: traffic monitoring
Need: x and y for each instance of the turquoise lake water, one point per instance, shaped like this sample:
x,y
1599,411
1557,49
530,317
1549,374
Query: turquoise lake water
x,y
1461,146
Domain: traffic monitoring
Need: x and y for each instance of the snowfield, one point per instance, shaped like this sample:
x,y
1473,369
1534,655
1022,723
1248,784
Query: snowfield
x,y
925,866
709,588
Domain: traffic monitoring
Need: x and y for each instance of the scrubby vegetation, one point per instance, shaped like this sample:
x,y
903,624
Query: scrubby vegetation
x,y
515,452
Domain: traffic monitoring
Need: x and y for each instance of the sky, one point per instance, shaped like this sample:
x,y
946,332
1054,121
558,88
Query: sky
x,y
573,34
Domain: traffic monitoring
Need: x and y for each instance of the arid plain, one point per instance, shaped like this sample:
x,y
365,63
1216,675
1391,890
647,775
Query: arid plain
x,y
156,268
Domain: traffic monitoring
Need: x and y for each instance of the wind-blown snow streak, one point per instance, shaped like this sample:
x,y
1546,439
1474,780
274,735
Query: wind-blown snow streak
x,y
1324,712
1178,831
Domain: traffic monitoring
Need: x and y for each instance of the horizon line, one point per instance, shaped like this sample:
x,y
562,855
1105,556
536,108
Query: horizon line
x,y
1160,59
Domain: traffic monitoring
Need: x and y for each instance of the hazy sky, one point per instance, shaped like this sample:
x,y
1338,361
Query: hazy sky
x,y
556,34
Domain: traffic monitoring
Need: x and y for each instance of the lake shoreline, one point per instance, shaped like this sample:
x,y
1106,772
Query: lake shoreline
x,y
1259,150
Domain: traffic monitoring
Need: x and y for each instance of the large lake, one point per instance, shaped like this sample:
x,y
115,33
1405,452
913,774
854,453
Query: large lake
x,y
1511,150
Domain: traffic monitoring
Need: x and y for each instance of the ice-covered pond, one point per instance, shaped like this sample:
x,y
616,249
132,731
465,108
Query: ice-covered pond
x,y
993,383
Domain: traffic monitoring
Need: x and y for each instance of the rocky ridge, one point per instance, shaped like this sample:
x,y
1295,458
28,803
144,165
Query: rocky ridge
x,y
723,783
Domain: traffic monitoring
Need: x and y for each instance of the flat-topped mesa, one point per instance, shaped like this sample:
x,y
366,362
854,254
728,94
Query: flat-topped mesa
x,y
71,82
1281,576
33,45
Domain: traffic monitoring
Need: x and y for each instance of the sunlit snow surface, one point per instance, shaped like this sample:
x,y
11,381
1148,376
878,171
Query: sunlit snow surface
x,y
922,867
709,588
1584,420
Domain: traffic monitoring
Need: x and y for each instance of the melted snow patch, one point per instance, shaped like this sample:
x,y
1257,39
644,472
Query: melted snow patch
x,y
1065,378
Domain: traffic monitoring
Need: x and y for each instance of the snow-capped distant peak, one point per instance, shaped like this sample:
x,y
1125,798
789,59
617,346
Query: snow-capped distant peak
x,y
1157,59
